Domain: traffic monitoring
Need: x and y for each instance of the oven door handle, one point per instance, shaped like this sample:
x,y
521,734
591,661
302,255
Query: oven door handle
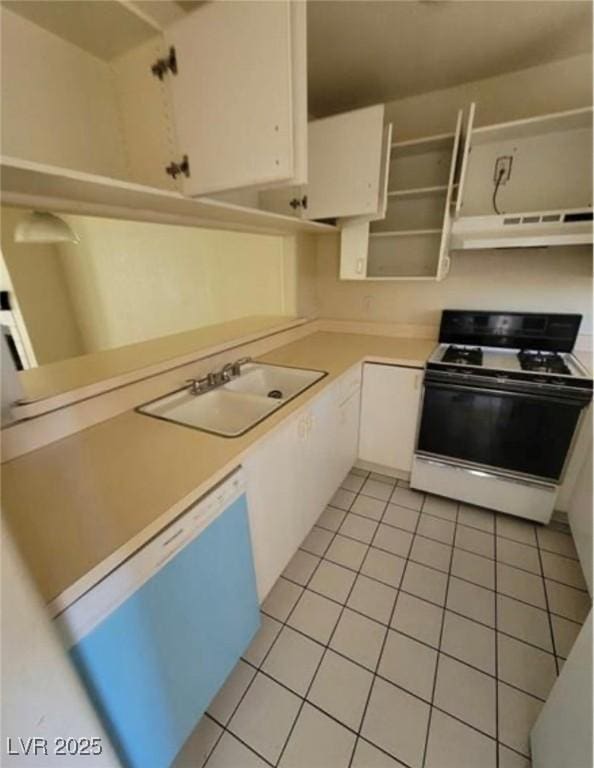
x,y
578,398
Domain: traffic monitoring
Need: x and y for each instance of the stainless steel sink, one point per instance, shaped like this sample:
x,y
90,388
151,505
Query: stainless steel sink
x,y
237,406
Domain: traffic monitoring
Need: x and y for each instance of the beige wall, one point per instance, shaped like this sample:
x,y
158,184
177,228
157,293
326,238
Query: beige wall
x,y
58,102
556,279
39,283
133,281
580,517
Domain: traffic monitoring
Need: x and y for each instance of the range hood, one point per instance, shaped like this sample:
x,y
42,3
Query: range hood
x,y
523,230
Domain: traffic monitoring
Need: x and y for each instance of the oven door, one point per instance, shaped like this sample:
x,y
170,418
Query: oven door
x,y
514,431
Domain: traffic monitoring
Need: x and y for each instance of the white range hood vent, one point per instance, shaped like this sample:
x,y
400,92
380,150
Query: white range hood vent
x,y
523,230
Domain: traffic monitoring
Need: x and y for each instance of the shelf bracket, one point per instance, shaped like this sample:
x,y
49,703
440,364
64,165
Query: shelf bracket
x,y
166,64
176,169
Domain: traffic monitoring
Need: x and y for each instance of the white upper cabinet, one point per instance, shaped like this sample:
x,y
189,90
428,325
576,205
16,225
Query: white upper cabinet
x,y
237,79
411,240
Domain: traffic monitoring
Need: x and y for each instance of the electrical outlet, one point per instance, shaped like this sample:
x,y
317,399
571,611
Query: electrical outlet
x,y
503,165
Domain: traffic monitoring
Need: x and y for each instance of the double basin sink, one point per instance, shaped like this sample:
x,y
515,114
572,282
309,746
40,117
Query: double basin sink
x,y
232,409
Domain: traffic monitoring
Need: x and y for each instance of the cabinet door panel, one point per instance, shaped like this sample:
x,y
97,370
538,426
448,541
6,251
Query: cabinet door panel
x,y
389,413
345,155
443,265
354,246
236,111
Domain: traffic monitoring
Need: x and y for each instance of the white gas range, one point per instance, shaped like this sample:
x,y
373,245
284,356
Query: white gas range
x,y
502,402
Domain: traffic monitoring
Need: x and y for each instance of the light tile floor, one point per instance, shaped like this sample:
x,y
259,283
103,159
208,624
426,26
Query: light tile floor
x,y
409,630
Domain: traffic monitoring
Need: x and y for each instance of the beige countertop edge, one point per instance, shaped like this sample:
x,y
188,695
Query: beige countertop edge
x,y
307,352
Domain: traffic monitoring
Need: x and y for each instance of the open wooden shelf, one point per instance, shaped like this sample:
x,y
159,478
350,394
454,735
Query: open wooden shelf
x,y
419,191
406,233
37,186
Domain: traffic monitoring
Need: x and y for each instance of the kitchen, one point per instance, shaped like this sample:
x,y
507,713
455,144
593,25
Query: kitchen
x,y
413,517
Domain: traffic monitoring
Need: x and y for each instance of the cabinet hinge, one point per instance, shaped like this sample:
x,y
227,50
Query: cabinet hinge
x,y
298,203
175,169
166,64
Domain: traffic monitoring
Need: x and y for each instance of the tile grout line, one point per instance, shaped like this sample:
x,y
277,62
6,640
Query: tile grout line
x,y
327,647
546,597
440,641
387,633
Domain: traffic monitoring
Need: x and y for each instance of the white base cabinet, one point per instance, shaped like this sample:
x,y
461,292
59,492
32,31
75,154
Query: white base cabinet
x,y
390,402
293,473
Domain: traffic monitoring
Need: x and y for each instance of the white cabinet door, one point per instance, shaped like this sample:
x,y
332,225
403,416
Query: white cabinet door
x,y
347,435
443,265
273,495
345,164
389,412
467,138
239,96
354,246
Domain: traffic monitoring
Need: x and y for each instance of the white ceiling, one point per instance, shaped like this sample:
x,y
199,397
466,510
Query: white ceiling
x,y
363,52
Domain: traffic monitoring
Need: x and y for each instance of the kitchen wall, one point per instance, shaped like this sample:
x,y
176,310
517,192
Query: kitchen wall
x,y
36,277
580,518
58,102
131,281
555,279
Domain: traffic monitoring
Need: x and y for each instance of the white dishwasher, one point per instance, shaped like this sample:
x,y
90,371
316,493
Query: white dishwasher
x,y
156,639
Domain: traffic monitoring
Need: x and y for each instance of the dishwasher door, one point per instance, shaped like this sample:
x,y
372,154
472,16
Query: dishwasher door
x,y
156,639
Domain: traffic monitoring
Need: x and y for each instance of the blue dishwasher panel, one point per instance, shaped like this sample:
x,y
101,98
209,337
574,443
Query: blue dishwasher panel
x,y
153,665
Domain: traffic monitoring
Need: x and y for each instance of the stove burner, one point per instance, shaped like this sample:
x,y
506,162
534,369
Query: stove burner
x,y
463,355
542,362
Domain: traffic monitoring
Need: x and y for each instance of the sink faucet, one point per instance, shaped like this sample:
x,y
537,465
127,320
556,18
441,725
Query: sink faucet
x,y
217,378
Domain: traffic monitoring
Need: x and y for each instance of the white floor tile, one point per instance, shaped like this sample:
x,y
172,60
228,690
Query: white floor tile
x,y
516,528
466,694
383,566
368,756
281,599
397,722
352,483
408,664
264,638
293,660
317,540
315,615
372,599
472,601
359,472
198,746
525,667
454,745
523,586
418,618
440,507
331,518
469,642
223,705
368,507
424,582
401,517
555,541
517,714
524,622
567,601
563,569
342,499
406,497
333,581
479,570
231,753
317,740
301,567
520,555
357,527
393,540
377,489
510,759
265,717
475,517
383,478
476,541
565,634
359,638
346,552
432,553
436,528
341,688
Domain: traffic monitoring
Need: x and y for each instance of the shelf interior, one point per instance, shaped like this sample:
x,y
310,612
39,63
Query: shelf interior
x,y
391,257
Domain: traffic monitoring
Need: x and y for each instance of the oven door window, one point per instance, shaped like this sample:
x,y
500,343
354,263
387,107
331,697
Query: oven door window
x,y
505,430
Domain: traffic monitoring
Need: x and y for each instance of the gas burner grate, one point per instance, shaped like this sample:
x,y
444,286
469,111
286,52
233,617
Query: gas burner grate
x,y
463,355
542,362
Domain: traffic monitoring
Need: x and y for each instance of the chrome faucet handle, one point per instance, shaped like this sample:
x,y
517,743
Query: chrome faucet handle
x,y
227,372
194,385
236,367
